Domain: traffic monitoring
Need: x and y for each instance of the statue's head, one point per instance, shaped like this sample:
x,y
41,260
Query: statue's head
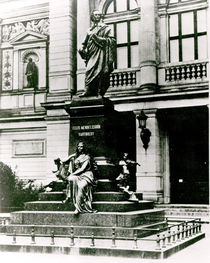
x,y
57,161
30,60
96,16
125,155
81,148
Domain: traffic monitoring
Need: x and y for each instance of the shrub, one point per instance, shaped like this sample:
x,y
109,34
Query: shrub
x,y
14,191
25,191
7,186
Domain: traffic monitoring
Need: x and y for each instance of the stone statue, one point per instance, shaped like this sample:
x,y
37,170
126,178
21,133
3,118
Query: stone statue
x,y
32,74
123,179
98,51
80,180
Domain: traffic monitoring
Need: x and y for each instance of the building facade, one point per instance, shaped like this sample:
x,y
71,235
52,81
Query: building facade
x,y
161,68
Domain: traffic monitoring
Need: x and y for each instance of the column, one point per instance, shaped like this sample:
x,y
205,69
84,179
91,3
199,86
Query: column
x,y
164,57
0,54
83,23
149,175
147,44
62,47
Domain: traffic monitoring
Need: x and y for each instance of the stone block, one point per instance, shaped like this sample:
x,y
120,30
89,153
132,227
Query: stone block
x,y
106,185
108,219
101,206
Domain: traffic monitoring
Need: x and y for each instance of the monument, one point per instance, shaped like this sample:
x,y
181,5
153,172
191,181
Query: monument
x,y
94,122
92,116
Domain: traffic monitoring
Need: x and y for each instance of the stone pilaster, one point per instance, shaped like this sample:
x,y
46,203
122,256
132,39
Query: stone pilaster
x,y
149,175
0,55
148,44
164,39
62,47
57,136
83,18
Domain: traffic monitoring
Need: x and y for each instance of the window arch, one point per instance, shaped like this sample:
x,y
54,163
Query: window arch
x,y
123,18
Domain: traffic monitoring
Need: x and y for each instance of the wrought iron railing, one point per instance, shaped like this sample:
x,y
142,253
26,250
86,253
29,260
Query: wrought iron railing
x,y
123,79
184,72
176,231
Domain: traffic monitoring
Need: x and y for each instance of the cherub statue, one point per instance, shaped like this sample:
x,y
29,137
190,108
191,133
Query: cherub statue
x,y
61,174
123,179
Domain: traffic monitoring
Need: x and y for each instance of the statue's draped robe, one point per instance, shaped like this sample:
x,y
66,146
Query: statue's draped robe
x,y
100,49
80,186
32,74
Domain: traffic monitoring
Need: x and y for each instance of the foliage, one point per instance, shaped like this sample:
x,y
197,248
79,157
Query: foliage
x,y
14,191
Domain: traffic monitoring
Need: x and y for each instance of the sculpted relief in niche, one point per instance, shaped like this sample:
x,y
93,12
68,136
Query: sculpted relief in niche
x,y
11,30
31,71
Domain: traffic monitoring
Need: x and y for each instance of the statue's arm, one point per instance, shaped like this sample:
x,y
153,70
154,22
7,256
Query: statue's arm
x,y
68,158
102,40
82,50
82,168
99,40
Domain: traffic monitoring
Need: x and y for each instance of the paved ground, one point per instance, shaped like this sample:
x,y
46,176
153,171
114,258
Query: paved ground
x,y
197,253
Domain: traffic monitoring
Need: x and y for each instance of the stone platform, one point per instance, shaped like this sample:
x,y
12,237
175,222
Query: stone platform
x,y
138,233
140,248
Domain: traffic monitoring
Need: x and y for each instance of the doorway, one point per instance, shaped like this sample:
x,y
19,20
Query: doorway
x,y
188,150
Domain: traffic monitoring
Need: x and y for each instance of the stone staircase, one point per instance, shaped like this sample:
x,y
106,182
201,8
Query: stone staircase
x,y
113,210
135,226
186,211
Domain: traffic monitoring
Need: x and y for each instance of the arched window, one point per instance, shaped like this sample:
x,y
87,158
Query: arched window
x,y
123,18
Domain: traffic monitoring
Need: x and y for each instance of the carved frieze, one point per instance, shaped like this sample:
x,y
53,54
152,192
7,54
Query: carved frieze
x,y
7,56
11,30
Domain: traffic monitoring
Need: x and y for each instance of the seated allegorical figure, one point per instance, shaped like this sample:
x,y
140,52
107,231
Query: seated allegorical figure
x,y
80,180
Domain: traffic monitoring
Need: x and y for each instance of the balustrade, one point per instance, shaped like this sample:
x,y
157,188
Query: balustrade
x,y
122,79
184,72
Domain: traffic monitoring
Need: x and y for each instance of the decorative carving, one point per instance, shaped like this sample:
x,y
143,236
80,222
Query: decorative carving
x,y
30,53
7,70
10,31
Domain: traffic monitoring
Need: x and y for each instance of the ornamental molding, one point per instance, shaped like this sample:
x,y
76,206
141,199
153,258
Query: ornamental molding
x,y
27,37
10,31
28,53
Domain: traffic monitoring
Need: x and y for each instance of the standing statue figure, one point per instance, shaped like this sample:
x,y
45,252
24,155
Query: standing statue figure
x,y
80,180
98,51
31,73
123,179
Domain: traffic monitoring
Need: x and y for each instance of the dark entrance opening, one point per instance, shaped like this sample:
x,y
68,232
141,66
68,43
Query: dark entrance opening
x,y
188,143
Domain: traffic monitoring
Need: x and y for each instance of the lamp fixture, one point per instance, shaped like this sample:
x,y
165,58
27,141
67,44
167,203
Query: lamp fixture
x,y
145,133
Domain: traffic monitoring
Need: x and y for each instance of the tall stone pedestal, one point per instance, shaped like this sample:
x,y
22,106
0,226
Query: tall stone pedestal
x,y
94,121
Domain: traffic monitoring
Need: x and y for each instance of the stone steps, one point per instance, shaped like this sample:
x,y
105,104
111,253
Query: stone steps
x,y
97,196
102,219
106,185
101,206
185,210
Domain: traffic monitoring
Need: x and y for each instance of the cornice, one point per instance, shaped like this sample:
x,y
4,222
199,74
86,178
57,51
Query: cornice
x,y
160,97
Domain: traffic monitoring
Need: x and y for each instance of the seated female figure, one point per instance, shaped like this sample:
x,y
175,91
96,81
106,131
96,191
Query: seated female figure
x,y
80,180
